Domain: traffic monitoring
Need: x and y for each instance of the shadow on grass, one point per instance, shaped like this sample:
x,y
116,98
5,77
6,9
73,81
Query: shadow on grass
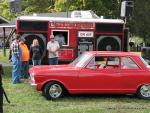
x,y
101,97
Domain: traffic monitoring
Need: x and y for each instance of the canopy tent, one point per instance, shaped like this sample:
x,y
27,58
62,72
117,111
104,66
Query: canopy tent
x,y
5,33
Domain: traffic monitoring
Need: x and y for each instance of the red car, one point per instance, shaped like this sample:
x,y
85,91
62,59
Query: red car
x,y
95,72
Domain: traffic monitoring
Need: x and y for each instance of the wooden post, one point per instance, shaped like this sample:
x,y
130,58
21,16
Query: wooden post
x,y
4,35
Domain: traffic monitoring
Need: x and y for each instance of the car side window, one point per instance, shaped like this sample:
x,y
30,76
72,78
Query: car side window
x,y
100,61
112,63
128,63
97,62
104,62
91,64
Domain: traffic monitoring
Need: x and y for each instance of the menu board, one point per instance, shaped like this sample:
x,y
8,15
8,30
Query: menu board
x,y
85,44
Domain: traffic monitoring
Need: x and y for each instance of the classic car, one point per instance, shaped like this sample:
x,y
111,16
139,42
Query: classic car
x,y
94,72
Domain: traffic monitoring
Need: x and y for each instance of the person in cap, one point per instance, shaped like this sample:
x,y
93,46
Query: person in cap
x,y
16,59
53,47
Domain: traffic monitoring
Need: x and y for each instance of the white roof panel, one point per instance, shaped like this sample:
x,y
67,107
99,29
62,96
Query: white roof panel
x,y
59,19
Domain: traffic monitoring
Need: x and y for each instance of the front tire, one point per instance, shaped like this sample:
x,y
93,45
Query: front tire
x,y
144,91
53,90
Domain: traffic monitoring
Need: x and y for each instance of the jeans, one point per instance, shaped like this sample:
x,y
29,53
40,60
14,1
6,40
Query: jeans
x,y
36,62
53,61
16,69
25,69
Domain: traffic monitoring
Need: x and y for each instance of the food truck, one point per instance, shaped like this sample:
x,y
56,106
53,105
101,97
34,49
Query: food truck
x,y
80,34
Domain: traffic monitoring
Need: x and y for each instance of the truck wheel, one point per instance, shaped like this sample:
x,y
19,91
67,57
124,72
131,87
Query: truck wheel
x,y
53,90
144,91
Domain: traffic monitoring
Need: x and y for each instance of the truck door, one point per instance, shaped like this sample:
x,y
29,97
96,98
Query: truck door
x,y
85,41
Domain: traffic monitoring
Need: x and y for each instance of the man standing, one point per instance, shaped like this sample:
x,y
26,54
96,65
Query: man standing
x,y
53,47
16,59
25,59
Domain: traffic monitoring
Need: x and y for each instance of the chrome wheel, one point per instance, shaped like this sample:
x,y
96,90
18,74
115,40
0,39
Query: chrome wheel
x,y
145,91
55,91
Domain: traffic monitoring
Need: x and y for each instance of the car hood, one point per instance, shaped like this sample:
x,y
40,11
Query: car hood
x,y
51,68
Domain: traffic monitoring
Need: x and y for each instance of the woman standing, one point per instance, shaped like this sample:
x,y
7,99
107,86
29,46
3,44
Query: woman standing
x,y
36,52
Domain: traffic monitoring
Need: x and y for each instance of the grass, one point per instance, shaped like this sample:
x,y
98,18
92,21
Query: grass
x,y
4,59
26,99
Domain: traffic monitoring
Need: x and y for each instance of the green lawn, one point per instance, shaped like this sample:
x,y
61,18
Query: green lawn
x,y
4,59
26,99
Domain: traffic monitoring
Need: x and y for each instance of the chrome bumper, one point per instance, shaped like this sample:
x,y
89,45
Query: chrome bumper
x,y
33,84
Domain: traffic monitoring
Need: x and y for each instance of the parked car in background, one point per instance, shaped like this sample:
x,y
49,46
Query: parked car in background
x,y
94,72
145,52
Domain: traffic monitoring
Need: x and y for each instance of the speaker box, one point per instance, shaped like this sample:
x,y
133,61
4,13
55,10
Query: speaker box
x,y
108,43
129,8
126,9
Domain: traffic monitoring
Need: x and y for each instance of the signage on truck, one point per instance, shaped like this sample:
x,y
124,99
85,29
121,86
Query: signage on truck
x,y
85,34
74,25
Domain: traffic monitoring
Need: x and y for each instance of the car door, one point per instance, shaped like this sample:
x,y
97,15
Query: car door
x,y
132,75
95,79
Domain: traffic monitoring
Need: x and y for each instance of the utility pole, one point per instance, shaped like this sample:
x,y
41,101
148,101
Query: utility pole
x,y
66,4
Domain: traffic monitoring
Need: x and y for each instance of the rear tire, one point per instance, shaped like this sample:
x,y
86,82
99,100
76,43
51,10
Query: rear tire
x,y
144,91
53,90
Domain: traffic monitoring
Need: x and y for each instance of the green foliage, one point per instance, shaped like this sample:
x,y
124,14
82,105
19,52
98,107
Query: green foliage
x,y
4,10
4,59
100,7
67,5
34,6
106,8
141,19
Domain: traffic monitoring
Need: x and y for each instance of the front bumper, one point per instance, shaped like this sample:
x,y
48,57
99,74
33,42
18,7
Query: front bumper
x,y
32,82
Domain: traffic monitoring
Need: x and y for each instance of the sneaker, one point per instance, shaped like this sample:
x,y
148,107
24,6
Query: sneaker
x,y
21,80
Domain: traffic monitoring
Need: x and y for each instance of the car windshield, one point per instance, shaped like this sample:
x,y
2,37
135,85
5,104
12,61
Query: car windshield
x,y
145,63
81,60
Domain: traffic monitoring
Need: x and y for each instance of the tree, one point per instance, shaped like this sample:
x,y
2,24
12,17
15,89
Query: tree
x,y
140,24
4,10
28,7
107,8
34,6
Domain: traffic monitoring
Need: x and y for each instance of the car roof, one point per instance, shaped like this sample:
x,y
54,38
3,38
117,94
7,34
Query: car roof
x,y
112,53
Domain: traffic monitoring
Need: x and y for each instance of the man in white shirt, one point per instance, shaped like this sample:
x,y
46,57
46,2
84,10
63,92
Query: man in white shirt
x,y
53,47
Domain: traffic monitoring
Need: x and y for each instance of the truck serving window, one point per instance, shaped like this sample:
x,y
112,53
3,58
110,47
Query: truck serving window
x,y
62,36
33,26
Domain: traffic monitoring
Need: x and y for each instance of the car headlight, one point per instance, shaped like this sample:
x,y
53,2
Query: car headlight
x,y
32,76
